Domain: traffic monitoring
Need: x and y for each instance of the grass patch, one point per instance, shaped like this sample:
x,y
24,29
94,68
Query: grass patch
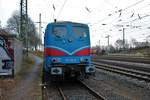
x,y
26,67
8,84
28,60
139,52
38,53
144,51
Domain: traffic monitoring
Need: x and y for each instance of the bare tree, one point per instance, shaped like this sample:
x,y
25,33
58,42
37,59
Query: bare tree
x,y
119,44
13,24
134,43
112,49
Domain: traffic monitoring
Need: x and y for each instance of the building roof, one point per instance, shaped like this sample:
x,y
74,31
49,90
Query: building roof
x,y
6,34
3,32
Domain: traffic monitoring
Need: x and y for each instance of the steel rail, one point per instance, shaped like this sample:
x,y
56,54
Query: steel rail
x,y
93,92
128,72
121,68
62,94
129,59
131,65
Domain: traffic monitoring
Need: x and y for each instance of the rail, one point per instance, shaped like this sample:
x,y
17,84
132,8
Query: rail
x,y
62,93
92,91
125,71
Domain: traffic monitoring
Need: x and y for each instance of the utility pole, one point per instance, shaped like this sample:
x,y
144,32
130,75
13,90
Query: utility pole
x,y
24,23
99,43
108,42
40,30
108,39
123,31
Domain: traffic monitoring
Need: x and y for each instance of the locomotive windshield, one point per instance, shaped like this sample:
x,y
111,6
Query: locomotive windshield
x,y
60,31
80,31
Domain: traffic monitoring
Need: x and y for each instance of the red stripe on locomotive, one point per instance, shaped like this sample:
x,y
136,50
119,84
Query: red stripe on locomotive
x,y
54,52
83,52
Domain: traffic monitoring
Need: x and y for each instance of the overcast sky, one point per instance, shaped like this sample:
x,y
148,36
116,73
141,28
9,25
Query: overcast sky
x,y
104,17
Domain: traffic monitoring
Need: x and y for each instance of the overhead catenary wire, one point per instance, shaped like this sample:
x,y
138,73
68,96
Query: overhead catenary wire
x,y
114,17
136,19
119,11
129,31
114,6
138,30
48,6
133,4
131,21
142,16
61,9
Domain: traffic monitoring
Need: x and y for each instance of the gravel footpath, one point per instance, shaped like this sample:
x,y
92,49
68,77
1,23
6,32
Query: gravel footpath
x,y
27,87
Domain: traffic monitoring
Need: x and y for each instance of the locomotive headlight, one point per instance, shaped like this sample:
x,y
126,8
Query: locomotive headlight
x,y
90,69
55,60
56,71
84,60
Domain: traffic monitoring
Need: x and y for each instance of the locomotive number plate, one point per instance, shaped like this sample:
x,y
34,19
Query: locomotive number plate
x,y
70,60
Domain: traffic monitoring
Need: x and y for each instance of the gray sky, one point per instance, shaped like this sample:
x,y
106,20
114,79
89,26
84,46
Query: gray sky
x,y
104,17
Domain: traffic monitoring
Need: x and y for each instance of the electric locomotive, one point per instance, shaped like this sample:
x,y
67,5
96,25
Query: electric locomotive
x,y
67,50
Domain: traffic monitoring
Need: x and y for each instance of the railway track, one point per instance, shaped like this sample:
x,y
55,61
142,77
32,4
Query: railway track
x,y
125,58
125,64
93,92
51,92
62,93
69,92
141,75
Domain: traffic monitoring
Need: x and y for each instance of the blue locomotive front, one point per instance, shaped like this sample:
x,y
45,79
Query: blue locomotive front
x,y
67,49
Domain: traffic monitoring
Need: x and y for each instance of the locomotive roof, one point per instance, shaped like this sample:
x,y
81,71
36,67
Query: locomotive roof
x,y
66,22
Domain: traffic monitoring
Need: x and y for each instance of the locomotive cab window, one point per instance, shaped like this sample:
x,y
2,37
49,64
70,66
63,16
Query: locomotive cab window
x,y
59,31
80,31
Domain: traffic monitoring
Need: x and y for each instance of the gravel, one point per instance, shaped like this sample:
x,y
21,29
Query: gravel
x,y
72,90
117,87
50,92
